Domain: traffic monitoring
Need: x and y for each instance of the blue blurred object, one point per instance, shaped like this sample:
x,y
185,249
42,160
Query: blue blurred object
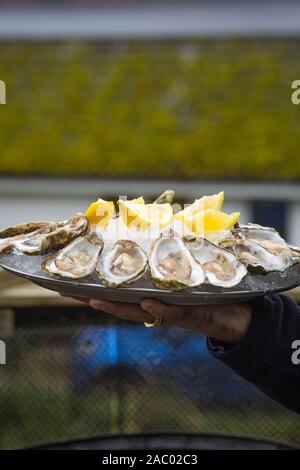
x,y
271,214
178,357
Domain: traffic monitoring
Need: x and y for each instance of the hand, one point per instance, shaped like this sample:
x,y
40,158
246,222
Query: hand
x,y
228,323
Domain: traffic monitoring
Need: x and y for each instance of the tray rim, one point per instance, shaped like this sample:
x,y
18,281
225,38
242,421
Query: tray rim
x,y
41,280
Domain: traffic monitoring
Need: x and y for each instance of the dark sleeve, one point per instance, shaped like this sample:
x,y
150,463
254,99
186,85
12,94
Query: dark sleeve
x,y
269,354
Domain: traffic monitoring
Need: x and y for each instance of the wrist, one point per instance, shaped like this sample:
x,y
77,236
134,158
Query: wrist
x,y
231,323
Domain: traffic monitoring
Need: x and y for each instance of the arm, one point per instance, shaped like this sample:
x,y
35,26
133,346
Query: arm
x,y
264,355
253,339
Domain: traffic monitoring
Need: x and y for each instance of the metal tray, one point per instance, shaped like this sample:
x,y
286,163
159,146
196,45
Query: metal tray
x,y
251,286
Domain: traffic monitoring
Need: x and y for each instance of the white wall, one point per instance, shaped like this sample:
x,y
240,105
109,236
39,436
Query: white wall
x,y
293,223
239,206
15,210
190,19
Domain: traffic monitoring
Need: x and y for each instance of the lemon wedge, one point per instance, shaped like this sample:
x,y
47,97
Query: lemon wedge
x,y
212,202
138,200
211,221
206,202
100,212
144,216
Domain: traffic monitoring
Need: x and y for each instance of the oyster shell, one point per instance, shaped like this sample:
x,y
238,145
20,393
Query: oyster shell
x,y
125,263
52,237
5,245
22,229
76,260
19,232
221,266
166,197
269,239
257,258
295,249
172,265
295,253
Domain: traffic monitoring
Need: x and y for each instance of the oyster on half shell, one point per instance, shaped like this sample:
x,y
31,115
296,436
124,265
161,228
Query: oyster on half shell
x,y
221,266
269,239
172,265
20,232
257,258
6,244
21,229
52,237
125,263
76,260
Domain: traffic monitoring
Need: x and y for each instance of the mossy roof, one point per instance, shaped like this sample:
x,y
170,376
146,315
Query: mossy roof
x,y
183,109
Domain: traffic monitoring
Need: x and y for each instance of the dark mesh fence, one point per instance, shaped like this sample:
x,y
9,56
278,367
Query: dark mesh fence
x,y
68,377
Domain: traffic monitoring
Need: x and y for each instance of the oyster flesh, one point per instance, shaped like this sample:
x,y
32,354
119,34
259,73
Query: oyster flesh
x,y
257,258
221,266
52,237
125,263
172,265
76,260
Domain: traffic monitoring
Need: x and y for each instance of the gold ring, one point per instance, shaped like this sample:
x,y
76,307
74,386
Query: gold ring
x,y
156,324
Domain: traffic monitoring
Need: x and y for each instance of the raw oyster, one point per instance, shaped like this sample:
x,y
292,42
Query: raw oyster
x,y
125,263
269,239
18,233
76,260
221,266
257,258
53,236
172,265
6,244
22,229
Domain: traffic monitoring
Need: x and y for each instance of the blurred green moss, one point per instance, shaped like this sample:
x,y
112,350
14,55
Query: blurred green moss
x,y
185,109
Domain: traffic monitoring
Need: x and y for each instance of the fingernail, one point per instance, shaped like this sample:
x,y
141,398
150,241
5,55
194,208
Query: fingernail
x,y
97,305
